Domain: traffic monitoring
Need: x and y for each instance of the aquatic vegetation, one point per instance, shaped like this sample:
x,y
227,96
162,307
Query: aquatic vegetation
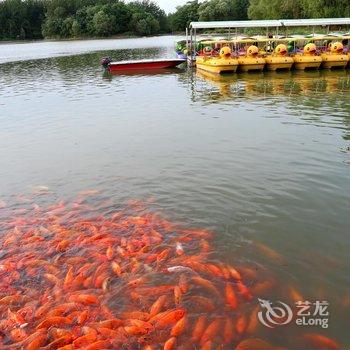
x,y
129,279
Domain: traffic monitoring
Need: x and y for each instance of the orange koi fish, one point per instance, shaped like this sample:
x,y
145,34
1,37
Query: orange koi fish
x,y
179,327
234,273
54,321
167,318
177,295
69,278
109,253
199,328
209,286
82,317
99,345
57,333
241,324
38,341
143,316
256,344
67,347
170,344
263,287
204,245
211,331
18,334
135,330
184,283
157,306
320,341
52,278
215,270
244,291
253,322
228,331
294,294
141,324
116,268
208,345
202,302
231,298
111,324
84,340
83,299
270,253
57,343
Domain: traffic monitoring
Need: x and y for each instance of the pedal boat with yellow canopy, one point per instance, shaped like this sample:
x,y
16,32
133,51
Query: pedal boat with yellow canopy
x,y
335,58
224,63
279,60
308,59
251,61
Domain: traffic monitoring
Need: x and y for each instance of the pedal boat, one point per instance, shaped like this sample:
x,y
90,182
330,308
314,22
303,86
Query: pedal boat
x,y
279,60
308,59
251,61
336,58
224,63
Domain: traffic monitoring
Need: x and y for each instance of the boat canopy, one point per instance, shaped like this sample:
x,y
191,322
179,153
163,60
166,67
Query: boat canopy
x,y
315,22
271,23
235,24
260,39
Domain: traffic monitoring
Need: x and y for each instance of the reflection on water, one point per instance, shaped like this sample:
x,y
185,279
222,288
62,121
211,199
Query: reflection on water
x,y
280,83
320,91
253,157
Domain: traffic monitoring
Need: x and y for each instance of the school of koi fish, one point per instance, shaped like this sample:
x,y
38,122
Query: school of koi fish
x,y
71,280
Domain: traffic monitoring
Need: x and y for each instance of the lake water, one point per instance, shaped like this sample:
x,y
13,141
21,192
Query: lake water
x,y
262,160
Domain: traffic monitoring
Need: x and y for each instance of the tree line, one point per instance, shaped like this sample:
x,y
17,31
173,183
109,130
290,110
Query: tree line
x,y
218,10
36,19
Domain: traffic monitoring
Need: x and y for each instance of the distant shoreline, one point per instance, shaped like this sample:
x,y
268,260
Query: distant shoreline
x,y
113,37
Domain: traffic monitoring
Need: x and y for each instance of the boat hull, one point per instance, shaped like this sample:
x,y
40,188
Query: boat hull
x,y
217,66
330,61
274,63
248,64
302,62
144,65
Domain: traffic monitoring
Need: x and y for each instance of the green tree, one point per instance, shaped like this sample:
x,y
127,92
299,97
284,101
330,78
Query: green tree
x,y
275,9
326,8
144,24
21,19
151,8
184,15
103,23
213,10
52,28
76,29
66,27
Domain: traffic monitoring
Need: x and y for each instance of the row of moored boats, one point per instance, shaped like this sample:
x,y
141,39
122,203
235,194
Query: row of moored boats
x,y
257,54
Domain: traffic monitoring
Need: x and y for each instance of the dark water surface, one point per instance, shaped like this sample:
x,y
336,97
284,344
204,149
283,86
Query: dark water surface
x,y
254,157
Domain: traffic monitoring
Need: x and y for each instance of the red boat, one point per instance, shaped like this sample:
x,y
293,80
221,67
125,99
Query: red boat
x,y
141,64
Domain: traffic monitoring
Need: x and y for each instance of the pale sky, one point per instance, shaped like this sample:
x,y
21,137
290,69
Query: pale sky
x,y
169,5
